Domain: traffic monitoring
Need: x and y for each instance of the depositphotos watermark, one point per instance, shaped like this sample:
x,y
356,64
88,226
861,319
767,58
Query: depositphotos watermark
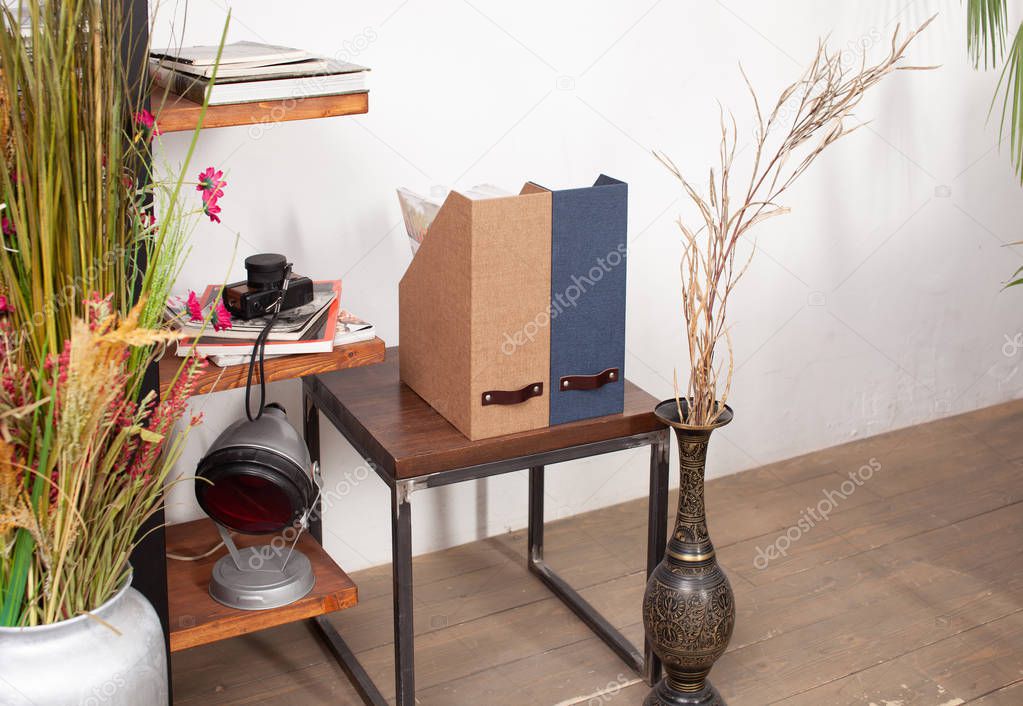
x,y
105,692
1012,345
329,497
855,49
78,287
849,56
350,49
565,300
602,696
813,515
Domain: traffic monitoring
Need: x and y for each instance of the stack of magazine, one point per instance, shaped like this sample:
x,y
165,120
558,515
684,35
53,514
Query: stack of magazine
x,y
316,327
250,72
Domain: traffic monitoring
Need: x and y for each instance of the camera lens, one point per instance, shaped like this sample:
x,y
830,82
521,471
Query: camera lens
x,y
265,271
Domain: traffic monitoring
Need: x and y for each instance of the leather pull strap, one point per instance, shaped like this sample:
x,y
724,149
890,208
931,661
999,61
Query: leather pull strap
x,y
588,382
512,396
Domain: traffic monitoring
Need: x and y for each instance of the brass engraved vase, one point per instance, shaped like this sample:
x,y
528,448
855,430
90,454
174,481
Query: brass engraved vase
x,y
688,607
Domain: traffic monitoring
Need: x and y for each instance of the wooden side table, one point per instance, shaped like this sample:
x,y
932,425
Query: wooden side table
x,y
411,447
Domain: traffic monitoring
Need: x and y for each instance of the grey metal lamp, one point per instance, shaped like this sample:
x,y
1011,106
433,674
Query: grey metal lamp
x,y
257,478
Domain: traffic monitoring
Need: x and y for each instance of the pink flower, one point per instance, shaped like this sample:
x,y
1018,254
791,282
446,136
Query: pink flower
x,y
59,363
148,122
145,118
4,305
193,307
221,317
211,209
211,183
7,226
170,408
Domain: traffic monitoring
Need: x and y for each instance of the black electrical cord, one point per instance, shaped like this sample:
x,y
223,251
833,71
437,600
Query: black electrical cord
x,y
259,350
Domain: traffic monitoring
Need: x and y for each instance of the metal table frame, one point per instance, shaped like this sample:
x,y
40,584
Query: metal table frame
x,y
645,664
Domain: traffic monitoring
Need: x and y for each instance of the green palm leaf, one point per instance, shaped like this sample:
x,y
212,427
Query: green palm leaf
x,y
1015,280
1011,82
985,30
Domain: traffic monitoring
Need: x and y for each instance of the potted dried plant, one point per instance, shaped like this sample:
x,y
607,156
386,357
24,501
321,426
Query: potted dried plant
x,y
688,607
86,269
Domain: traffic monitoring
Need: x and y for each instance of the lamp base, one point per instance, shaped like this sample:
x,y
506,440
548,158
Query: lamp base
x,y
270,578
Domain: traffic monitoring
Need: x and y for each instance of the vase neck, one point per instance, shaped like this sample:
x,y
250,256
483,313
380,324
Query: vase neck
x,y
690,541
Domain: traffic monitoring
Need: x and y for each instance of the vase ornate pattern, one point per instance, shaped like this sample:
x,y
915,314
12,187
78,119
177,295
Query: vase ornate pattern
x,y
688,607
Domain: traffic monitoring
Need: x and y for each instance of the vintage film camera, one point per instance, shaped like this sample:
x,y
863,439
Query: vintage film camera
x,y
264,284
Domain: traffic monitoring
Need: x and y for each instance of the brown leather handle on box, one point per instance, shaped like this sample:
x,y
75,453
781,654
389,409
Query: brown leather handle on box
x,y
588,382
512,396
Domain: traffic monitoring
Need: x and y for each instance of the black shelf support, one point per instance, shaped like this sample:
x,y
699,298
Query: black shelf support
x,y
148,561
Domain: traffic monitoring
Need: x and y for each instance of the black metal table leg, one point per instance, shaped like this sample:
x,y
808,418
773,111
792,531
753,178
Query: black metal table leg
x,y
657,533
404,636
349,663
536,491
614,639
401,571
311,432
645,665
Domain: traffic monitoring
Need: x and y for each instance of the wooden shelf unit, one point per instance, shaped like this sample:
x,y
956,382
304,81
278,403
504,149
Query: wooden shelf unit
x,y
215,379
177,114
196,619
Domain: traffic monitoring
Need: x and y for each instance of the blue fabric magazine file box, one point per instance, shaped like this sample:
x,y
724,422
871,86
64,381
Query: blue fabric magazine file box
x,y
589,247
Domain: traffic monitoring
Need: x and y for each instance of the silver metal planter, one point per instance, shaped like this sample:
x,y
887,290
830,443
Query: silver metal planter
x,y
84,662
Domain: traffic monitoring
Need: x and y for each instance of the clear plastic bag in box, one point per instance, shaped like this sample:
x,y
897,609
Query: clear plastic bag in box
x,y
419,211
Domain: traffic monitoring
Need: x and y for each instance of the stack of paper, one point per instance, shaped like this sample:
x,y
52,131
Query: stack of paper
x,y
316,327
249,71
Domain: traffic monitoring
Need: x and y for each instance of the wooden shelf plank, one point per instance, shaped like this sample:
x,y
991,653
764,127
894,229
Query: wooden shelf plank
x,y
196,619
178,113
214,379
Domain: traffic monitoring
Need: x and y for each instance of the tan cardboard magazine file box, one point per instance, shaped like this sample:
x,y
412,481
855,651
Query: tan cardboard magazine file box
x,y
473,314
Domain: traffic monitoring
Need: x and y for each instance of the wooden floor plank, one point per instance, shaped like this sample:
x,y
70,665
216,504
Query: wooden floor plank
x,y
1010,695
920,601
956,669
910,592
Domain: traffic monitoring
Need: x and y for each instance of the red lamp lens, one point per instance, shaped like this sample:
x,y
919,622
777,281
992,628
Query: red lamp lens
x,y
249,504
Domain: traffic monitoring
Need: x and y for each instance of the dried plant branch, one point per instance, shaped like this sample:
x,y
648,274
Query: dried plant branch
x,y
828,93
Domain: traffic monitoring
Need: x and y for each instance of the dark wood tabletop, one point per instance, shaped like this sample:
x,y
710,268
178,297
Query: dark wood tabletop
x,y
407,438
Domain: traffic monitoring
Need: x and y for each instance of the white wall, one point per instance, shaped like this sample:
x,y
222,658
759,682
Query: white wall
x,y
873,306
